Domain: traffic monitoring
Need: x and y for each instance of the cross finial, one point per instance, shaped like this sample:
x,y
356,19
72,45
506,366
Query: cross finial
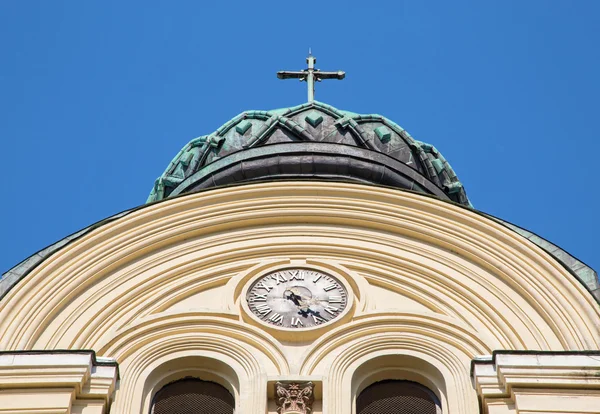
x,y
310,75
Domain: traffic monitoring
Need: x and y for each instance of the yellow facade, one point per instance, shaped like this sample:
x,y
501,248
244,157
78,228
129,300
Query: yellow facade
x,y
437,288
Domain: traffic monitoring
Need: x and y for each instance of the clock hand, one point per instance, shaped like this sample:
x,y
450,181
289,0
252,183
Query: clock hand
x,y
301,301
308,311
297,299
294,299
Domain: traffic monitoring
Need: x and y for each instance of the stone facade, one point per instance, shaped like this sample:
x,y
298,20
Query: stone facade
x,y
442,295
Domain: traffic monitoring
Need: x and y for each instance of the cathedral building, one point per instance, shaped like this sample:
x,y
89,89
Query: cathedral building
x,y
303,260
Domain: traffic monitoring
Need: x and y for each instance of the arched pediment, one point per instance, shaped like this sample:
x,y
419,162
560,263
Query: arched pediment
x,y
167,278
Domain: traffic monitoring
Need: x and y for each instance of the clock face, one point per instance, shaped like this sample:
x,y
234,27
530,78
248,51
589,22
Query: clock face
x,y
297,298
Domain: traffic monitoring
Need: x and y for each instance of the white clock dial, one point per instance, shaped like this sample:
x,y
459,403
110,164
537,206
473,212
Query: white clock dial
x,y
297,298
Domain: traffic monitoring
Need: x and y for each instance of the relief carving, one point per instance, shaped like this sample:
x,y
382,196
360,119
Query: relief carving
x,y
294,397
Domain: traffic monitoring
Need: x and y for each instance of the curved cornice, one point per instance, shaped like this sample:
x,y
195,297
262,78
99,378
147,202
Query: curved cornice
x,y
579,270
467,260
138,334
437,327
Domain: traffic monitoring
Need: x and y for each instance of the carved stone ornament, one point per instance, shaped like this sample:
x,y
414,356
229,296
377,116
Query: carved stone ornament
x,y
294,397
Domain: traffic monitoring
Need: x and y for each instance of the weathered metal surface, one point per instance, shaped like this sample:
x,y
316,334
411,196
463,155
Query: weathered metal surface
x,y
585,274
309,160
318,124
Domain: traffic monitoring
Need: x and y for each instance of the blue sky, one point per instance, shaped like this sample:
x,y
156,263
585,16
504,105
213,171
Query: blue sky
x,y
96,97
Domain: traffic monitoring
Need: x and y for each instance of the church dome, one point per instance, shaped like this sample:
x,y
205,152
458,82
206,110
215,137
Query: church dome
x,y
309,141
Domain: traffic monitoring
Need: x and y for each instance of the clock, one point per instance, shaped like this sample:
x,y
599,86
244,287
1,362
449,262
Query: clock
x,y
297,298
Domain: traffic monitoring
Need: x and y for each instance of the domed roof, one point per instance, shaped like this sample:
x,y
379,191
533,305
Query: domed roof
x,y
309,141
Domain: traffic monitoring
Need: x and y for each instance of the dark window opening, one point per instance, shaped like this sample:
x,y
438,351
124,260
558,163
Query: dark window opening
x,y
193,396
397,397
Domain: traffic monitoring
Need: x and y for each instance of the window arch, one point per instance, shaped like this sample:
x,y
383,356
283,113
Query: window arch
x,y
193,396
397,397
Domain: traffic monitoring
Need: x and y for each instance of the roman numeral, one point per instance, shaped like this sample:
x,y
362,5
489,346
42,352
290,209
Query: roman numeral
x,y
263,309
296,322
296,274
331,310
276,318
335,299
330,287
260,298
279,278
317,319
261,285
316,279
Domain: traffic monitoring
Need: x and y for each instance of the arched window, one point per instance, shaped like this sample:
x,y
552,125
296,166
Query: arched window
x,y
192,396
397,397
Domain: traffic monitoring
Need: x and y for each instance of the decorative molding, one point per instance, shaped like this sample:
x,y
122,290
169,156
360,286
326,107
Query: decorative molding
x,y
46,380
294,397
166,343
365,225
413,346
531,382
438,283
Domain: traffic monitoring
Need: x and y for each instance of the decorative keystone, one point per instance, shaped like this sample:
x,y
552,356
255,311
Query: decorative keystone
x,y
438,165
243,126
212,140
425,146
454,187
186,158
314,118
383,133
294,397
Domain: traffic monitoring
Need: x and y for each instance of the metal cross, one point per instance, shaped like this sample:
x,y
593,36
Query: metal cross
x,y
310,75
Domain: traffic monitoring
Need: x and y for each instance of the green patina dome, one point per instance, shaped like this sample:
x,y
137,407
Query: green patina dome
x,y
309,141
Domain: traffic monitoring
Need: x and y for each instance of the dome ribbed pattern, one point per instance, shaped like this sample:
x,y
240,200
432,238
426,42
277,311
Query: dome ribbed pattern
x,y
312,141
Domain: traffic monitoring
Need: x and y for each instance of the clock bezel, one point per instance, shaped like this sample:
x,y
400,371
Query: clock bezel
x,y
343,316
